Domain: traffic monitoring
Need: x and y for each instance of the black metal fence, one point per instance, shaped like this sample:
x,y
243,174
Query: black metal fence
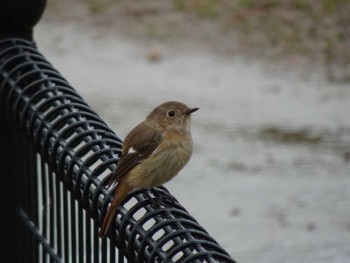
x,y
56,153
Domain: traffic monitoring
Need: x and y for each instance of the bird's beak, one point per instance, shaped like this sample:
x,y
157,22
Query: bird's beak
x,y
189,111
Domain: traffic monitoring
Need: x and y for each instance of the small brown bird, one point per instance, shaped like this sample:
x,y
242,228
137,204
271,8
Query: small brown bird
x,y
152,153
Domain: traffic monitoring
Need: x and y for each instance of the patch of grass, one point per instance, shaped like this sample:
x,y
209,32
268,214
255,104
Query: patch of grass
x,y
202,8
96,7
317,31
302,136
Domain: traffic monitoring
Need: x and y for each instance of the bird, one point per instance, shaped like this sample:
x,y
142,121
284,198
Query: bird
x,y
152,154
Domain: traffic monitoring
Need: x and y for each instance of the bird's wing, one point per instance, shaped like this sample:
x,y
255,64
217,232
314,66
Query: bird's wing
x,y
138,145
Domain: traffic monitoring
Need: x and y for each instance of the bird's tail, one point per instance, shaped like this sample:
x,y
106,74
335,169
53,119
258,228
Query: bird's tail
x,y
120,193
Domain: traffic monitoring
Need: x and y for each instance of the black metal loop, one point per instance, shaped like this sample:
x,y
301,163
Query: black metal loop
x,y
58,126
81,152
61,136
100,190
42,95
89,197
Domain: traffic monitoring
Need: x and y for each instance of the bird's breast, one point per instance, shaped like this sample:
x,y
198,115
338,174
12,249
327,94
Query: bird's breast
x,y
164,163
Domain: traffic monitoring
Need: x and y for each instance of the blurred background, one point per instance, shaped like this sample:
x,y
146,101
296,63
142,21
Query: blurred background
x,y
269,176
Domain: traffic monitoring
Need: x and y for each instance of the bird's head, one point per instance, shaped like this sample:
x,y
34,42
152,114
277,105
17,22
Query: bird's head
x,y
172,115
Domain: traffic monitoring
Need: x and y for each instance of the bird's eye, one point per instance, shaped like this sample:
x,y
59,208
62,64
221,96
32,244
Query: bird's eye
x,y
171,113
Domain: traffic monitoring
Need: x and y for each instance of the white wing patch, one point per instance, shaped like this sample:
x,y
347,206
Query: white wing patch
x,y
131,150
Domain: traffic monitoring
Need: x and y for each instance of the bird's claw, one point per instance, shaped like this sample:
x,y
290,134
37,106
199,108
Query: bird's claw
x,y
165,200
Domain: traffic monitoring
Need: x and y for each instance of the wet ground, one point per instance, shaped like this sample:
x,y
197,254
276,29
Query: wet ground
x,y
269,177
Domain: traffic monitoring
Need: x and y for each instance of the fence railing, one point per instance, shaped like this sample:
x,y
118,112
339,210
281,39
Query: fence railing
x,y
58,154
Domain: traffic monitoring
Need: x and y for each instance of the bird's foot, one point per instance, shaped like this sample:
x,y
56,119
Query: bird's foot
x,y
165,200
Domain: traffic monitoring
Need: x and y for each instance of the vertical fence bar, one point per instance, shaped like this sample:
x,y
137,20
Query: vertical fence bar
x,y
59,213
67,242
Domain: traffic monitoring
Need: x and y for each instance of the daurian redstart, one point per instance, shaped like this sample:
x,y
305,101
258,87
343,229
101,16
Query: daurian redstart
x,y
152,153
